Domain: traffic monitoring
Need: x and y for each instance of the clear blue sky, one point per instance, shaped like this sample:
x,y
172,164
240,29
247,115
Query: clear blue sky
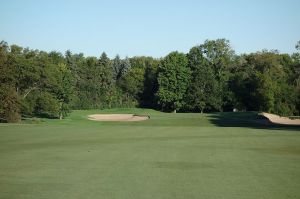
x,y
153,27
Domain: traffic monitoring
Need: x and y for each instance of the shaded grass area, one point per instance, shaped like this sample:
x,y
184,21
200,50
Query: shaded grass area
x,y
221,155
247,119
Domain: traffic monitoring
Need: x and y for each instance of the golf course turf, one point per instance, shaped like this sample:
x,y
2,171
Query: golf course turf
x,y
169,156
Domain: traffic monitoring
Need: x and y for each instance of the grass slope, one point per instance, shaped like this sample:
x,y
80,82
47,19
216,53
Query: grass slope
x,y
221,155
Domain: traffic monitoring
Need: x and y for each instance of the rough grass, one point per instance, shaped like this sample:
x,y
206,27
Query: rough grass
x,y
221,155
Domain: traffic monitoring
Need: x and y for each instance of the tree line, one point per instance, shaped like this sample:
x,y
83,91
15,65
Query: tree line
x,y
210,77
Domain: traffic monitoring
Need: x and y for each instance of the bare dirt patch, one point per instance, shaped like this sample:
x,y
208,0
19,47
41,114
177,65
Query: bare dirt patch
x,y
118,117
276,119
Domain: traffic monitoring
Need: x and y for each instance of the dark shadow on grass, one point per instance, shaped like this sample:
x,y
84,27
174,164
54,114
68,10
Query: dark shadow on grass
x,y
247,119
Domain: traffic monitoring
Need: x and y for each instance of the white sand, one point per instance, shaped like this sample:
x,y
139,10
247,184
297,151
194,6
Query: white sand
x,y
117,117
276,119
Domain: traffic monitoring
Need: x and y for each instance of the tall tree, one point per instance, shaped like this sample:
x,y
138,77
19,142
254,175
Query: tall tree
x,y
65,89
107,81
203,90
173,79
219,55
148,98
9,99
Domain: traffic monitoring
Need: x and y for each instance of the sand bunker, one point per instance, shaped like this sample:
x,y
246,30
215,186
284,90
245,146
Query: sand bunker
x,y
118,117
276,119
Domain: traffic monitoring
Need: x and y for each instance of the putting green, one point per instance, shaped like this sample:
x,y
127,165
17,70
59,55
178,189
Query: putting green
x,y
222,155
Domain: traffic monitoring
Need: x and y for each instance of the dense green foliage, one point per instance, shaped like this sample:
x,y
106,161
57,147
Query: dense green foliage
x,y
210,64
211,77
173,80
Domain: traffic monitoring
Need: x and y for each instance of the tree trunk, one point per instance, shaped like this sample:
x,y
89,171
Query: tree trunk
x,y
29,90
61,111
174,105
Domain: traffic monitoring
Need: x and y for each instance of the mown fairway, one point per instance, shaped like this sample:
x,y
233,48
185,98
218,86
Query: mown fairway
x,y
167,157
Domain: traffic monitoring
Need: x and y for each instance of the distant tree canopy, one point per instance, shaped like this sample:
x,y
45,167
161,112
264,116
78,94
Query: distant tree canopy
x,y
210,77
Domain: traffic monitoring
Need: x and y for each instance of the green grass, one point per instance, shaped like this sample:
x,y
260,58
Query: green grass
x,y
170,156
294,117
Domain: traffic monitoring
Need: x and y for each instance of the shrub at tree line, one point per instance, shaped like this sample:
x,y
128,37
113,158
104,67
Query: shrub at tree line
x,y
210,77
